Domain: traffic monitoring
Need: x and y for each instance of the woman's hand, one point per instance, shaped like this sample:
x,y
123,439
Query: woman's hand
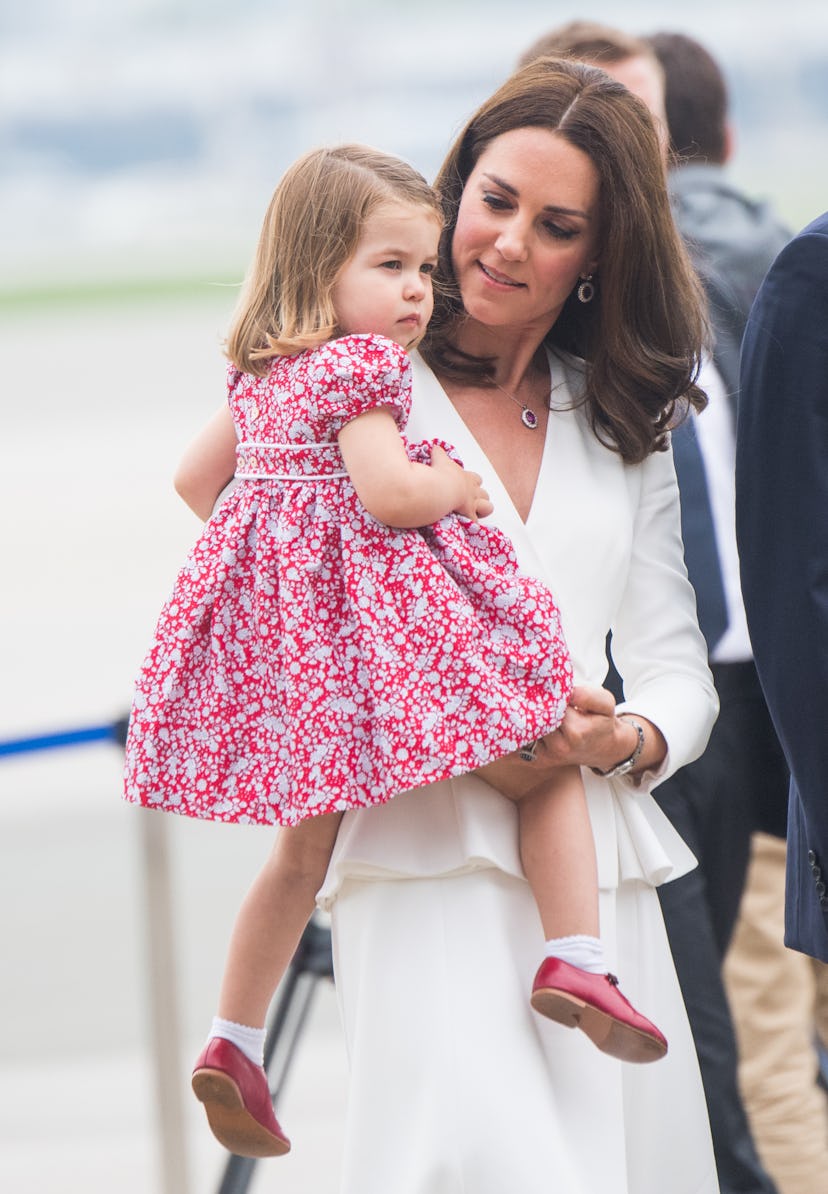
x,y
590,735
474,503
589,732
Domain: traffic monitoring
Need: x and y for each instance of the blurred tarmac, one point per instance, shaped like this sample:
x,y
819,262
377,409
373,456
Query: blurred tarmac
x,y
98,404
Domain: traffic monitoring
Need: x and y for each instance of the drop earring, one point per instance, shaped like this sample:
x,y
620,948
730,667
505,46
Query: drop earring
x,y
586,290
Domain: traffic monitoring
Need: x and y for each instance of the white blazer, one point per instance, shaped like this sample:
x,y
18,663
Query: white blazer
x,y
606,538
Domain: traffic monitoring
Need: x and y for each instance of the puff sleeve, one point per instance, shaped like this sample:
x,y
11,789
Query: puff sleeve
x,y
359,373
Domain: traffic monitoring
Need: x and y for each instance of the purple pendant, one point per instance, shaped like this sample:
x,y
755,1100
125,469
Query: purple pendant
x,y
528,418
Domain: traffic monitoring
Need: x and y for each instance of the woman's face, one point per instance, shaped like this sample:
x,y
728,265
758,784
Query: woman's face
x,y
527,229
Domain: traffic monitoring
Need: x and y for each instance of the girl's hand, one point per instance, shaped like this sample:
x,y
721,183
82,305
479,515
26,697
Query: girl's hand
x,y
402,492
474,502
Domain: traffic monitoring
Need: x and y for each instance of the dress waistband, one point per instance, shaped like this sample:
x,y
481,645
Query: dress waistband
x,y
256,461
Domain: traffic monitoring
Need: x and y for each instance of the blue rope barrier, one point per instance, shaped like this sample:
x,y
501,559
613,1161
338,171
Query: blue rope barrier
x,y
111,732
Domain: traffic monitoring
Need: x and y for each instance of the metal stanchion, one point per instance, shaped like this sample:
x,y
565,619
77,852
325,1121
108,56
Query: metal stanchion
x,y
313,960
166,1033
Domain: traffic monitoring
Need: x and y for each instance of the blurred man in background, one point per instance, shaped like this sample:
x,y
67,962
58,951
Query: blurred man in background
x,y
740,782
772,991
628,59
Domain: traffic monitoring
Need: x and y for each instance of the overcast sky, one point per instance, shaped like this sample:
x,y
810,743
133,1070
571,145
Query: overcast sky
x,y
149,132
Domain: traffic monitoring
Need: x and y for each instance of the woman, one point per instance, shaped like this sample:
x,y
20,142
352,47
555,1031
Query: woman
x,y
567,332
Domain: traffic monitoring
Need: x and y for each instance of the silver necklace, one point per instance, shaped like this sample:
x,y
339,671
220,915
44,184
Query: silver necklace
x,y
527,416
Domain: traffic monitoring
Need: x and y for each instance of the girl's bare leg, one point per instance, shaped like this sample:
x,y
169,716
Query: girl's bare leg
x,y
227,1078
273,916
558,855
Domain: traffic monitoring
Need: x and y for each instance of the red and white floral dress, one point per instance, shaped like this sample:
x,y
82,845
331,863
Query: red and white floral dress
x,y
312,659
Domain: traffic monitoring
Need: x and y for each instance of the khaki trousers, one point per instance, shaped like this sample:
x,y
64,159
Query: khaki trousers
x,y
779,1000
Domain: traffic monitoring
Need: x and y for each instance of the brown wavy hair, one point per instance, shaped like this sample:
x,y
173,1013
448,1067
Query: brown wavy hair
x,y
310,231
641,336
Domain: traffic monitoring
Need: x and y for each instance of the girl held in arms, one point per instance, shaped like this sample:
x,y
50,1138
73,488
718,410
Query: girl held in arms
x,y
345,629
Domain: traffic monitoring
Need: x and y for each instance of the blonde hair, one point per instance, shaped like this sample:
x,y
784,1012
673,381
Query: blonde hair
x,y
311,229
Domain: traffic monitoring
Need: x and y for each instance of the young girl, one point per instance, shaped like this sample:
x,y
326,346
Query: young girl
x,y
336,635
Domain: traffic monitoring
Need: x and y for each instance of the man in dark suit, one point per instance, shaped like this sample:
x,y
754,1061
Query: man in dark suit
x,y
782,529
739,784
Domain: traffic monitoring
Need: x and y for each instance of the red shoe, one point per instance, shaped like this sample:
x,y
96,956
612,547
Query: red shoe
x,y
593,1003
237,1100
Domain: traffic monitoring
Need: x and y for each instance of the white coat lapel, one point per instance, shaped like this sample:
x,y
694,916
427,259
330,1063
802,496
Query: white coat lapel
x,y
433,416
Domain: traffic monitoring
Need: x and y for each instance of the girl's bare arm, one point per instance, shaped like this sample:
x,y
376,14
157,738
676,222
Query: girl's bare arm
x,y
208,464
401,492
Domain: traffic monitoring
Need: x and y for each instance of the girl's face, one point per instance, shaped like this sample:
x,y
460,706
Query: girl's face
x,y
527,229
385,287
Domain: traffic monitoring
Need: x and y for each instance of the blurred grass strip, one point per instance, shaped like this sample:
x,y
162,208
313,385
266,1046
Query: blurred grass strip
x,y
79,294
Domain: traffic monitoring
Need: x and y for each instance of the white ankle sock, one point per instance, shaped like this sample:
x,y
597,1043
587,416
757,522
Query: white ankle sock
x,y
250,1040
587,953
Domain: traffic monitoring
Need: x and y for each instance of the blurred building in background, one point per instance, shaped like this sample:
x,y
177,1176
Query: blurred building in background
x,y
146,136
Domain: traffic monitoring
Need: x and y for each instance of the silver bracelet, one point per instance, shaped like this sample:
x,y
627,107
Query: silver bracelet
x,y
626,764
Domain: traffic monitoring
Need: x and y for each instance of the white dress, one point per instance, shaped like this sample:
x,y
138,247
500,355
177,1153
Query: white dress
x,y
457,1086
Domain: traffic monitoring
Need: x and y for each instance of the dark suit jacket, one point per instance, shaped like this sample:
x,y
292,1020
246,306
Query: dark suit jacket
x,y
733,241
782,531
